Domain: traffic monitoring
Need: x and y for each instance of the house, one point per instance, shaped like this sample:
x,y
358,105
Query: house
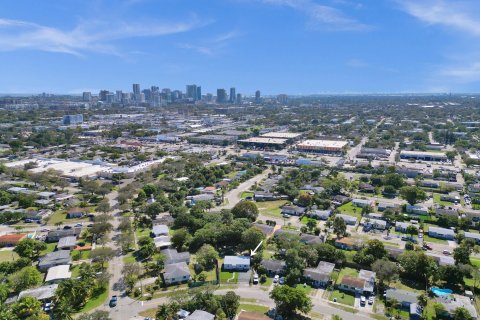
x,y
352,284
320,214
11,240
393,252
160,230
349,220
405,298
369,277
374,224
473,215
58,273
346,243
402,226
450,198
454,301
44,293
475,188
200,315
418,210
176,273
293,210
274,267
52,259
69,243
209,190
439,212
374,215
473,236
310,239
367,188
239,263
320,276
62,197
441,259
55,235
361,203
441,233
173,256
75,213
162,242
340,199
265,229
264,196
46,195
382,206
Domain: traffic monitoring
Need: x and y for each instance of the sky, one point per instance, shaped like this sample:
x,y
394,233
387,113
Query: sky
x,y
276,46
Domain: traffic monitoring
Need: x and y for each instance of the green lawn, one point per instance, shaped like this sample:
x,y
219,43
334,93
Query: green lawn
x,y
427,238
267,283
349,209
346,272
305,219
81,255
253,308
343,297
60,216
8,255
436,199
271,208
246,194
475,261
224,276
129,258
150,313
308,290
95,301
50,248
211,274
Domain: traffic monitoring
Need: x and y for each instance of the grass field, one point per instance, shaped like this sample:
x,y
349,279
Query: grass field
x,y
95,302
349,209
253,308
271,208
475,261
305,219
427,238
60,216
245,194
225,276
150,313
436,199
8,255
211,274
346,272
50,248
343,297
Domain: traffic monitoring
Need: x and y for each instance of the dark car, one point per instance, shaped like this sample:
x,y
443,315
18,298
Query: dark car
x,y
113,301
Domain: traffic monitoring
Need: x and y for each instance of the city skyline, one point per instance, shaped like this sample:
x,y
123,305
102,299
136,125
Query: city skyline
x,y
279,46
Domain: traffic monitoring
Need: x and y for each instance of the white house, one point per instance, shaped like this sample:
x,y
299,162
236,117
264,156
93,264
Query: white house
x,y
402,226
321,214
236,263
361,203
160,230
176,273
441,233
374,223
419,210
349,220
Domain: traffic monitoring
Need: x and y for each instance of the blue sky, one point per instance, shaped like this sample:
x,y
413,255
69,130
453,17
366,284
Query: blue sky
x,y
277,46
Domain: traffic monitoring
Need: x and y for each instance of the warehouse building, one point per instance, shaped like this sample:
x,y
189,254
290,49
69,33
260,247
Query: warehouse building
x,y
264,143
322,146
425,156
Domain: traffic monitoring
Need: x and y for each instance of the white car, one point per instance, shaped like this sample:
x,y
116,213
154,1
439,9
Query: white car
x,y
363,300
255,278
282,280
276,278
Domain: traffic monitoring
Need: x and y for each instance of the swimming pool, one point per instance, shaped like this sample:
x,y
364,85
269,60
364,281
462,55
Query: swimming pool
x,y
441,292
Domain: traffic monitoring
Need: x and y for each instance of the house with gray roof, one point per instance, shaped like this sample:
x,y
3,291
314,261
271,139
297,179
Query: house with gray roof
x,y
362,203
274,267
55,235
349,220
405,298
402,226
454,301
374,223
41,293
68,243
176,273
200,315
160,230
473,236
173,256
320,276
320,214
239,263
441,233
53,259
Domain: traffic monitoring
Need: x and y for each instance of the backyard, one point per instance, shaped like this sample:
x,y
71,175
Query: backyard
x,y
351,210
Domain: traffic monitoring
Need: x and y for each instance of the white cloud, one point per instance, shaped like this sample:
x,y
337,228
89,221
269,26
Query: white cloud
x,y
96,36
469,73
453,14
322,16
212,46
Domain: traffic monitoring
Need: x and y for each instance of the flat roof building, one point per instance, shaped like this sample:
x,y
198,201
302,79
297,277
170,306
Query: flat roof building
x,y
322,146
259,142
425,156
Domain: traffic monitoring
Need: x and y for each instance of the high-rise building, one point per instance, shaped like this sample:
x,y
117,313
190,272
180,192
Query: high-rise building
x,y
209,97
239,98
126,97
221,96
191,92
110,98
103,95
232,95
147,94
199,93
136,89
72,119
282,98
118,96
258,97
87,96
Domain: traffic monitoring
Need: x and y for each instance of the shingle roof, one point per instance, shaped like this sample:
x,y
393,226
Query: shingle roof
x,y
200,315
176,270
41,293
353,282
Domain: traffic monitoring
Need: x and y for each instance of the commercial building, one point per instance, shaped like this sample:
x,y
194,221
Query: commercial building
x,y
424,156
221,96
290,136
259,142
215,139
322,146
232,95
71,119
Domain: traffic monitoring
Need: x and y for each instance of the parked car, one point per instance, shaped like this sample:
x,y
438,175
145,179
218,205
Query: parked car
x,y
47,307
276,278
113,301
446,252
363,300
255,278
282,280
370,300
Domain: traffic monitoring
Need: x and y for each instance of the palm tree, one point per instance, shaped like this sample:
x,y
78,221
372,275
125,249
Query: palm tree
x,y
63,310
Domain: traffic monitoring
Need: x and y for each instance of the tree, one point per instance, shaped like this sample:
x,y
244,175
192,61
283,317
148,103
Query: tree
x,y
311,224
27,307
104,206
26,278
461,254
95,315
422,300
386,270
167,311
130,272
417,266
125,240
245,209
207,257
230,303
304,199
412,194
451,154
290,300
339,227
180,238
63,309
29,248
102,255
411,230
153,210
461,313
251,238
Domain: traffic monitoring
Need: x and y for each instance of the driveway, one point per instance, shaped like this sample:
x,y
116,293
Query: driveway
x,y
244,277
